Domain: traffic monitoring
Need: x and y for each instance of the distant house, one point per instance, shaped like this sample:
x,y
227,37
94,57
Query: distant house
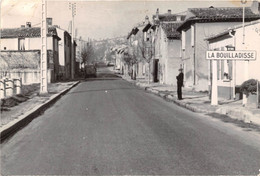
x,y
64,54
119,56
200,23
76,61
138,39
29,38
79,61
133,65
232,73
167,46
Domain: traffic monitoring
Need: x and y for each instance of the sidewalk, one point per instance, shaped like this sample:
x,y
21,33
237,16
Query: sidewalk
x,y
19,109
200,102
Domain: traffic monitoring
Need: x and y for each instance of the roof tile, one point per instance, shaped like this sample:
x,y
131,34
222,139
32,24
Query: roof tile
x,y
20,60
223,12
171,30
220,14
26,32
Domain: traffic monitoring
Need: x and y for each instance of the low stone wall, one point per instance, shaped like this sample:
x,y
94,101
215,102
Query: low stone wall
x,y
27,76
10,87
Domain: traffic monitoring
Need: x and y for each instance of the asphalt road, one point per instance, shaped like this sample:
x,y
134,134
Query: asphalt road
x,y
109,126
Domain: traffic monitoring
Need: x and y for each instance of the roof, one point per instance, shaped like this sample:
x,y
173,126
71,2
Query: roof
x,y
19,60
226,31
221,14
145,29
170,30
134,31
26,32
170,17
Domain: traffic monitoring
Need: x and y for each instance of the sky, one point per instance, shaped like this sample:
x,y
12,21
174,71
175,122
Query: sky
x,y
97,19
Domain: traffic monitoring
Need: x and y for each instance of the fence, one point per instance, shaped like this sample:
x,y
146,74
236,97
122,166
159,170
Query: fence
x,y
10,87
28,76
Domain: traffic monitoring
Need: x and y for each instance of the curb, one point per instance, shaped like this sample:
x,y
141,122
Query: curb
x,y
12,127
239,114
247,117
177,102
171,99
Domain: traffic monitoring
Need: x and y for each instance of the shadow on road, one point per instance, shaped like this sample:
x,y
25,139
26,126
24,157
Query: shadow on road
x,y
239,123
102,90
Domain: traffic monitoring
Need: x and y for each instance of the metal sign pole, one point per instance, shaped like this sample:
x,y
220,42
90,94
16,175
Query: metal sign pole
x,y
214,89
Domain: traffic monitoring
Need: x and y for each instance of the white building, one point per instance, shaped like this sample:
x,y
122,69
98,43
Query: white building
x,y
232,73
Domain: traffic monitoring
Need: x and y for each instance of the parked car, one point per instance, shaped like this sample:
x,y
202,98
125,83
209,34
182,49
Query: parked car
x,y
90,71
110,64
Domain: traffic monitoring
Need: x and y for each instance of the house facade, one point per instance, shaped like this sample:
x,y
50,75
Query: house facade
x,y
200,23
64,54
28,38
138,39
232,73
119,58
167,57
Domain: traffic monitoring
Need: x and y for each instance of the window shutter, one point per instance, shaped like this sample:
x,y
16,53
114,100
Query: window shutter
x,y
230,69
222,69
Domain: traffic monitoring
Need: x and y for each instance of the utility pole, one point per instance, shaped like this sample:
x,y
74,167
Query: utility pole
x,y
72,7
243,43
44,69
243,22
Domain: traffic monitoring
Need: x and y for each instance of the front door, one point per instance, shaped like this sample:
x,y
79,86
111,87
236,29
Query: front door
x,y
156,64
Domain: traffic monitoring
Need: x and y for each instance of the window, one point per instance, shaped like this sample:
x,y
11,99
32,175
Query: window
x,y
178,18
4,48
224,68
21,44
55,44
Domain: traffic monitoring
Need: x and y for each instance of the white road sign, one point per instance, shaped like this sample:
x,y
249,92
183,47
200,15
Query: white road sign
x,y
231,55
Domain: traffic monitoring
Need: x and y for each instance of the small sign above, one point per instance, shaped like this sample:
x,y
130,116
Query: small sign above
x,y
231,55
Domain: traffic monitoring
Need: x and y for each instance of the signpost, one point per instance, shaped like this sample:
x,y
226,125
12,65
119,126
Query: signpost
x,y
231,55
225,55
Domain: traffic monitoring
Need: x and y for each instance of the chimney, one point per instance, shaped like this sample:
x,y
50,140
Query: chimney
x,y
255,7
157,14
169,12
49,21
28,24
146,19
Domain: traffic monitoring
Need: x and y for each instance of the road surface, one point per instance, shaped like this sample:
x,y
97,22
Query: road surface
x,y
109,126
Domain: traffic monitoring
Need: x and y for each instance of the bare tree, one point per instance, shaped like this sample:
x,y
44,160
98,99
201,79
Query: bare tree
x,y
130,58
88,53
146,49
